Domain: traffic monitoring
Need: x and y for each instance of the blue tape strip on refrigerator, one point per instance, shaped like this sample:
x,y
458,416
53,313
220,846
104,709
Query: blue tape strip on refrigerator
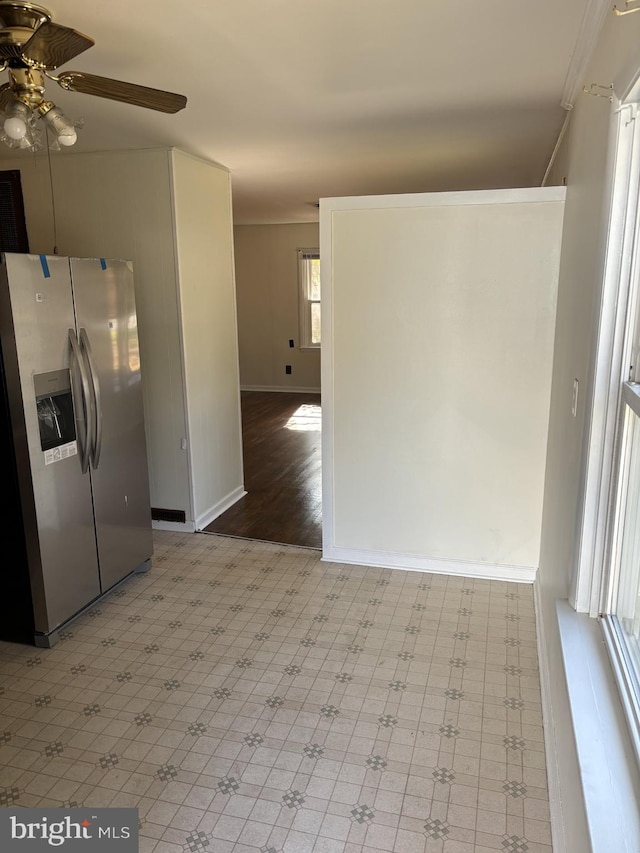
x,y
45,266
103,263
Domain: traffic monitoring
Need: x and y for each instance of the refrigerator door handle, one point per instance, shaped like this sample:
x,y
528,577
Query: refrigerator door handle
x,y
97,398
84,421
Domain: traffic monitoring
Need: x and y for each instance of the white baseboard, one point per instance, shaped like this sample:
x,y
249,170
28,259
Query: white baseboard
x,y
174,526
221,506
290,390
409,562
550,743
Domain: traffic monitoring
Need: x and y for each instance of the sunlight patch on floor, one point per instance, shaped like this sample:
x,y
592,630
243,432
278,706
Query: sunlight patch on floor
x,y
306,418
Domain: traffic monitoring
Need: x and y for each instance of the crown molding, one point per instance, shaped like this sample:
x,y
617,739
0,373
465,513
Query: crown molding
x,y
592,22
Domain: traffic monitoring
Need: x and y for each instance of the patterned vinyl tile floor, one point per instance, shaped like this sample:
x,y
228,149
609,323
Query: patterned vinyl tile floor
x,y
248,698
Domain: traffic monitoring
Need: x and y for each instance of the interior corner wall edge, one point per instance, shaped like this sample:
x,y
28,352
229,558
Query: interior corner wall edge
x,y
204,241
438,320
119,204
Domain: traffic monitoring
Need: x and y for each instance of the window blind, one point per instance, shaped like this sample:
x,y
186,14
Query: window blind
x,y
13,228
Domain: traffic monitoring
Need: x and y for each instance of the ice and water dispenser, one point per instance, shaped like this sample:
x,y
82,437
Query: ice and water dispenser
x,y
56,419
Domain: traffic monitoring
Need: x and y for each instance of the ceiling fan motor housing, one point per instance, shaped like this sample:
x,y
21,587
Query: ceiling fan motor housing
x,y
28,15
19,21
28,85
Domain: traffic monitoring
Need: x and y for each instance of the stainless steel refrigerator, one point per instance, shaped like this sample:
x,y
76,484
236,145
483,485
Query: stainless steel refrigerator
x,y
72,432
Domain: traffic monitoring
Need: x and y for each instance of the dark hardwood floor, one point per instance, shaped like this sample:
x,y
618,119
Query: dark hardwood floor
x,y
282,471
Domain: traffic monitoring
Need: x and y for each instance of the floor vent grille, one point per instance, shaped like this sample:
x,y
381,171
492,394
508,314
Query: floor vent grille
x,y
178,515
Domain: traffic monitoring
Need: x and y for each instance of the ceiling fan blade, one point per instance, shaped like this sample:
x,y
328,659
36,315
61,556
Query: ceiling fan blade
x,y
128,93
52,45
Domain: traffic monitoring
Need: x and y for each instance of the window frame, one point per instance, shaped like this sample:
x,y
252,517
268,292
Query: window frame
x,y
594,581
625,669
585,594
304,300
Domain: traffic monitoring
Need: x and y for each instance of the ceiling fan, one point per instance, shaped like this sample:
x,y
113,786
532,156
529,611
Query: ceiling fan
x,y
32,47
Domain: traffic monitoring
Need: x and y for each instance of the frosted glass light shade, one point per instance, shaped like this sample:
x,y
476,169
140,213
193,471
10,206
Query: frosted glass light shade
x,y
15,128
68,139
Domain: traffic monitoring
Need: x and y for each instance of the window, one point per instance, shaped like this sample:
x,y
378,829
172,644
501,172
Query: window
x,y
608,579
309,277
621,588
625,589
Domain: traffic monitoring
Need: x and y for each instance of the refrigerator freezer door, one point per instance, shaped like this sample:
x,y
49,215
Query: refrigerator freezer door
x,y
106,315
55,495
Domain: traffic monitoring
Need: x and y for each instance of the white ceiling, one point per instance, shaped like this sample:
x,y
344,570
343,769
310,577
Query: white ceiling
x,y
303,99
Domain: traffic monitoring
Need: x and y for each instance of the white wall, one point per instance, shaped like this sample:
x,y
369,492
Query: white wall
x,y
204,240
438,317
267,290
121,204
584,161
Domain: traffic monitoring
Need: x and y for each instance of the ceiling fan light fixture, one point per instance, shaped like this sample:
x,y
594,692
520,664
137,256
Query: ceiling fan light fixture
x,y
19,128
31,141
32,46
68,139
63,128
15,127
16,124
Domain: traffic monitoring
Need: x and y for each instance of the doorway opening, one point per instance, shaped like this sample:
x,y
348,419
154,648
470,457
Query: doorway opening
x,y
281,438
